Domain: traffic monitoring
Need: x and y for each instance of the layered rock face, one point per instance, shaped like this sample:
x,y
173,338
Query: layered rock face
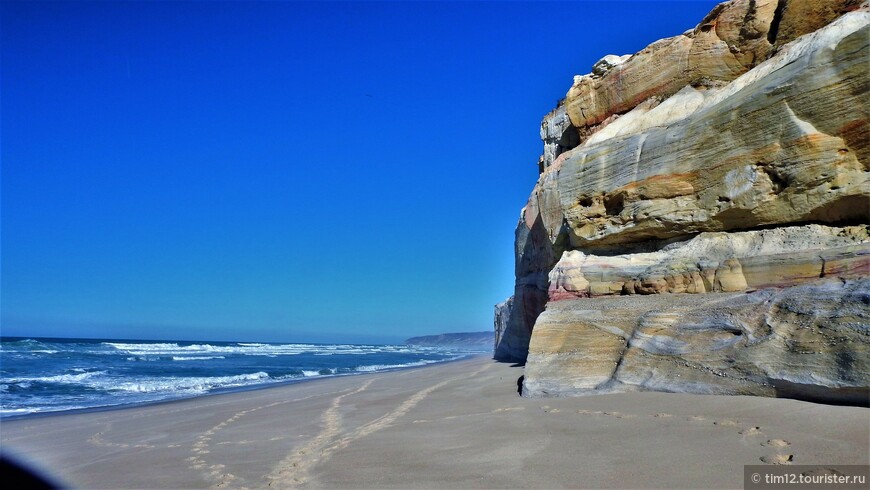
x,y
808,342
718,262
700,221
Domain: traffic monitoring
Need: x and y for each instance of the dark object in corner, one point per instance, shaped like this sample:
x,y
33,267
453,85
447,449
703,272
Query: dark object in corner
x,y
852,396
15,475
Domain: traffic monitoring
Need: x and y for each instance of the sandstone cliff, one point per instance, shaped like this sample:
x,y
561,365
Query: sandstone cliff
x,y
700,221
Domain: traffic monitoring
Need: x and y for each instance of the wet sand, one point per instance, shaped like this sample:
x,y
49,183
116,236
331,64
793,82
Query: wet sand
x,y
455,425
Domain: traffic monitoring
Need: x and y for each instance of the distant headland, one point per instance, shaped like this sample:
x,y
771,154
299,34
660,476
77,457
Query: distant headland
x,y
482,341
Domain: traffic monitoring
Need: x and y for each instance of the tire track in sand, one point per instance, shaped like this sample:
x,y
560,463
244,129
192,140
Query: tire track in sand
x,y
293,470
215,473
307,455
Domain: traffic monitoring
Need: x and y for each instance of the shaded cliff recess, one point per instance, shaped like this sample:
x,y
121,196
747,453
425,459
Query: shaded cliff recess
x,y
700,222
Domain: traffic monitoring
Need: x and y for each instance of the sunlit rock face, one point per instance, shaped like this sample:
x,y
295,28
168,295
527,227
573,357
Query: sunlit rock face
x,y
732,39
725,166
718,262
808,341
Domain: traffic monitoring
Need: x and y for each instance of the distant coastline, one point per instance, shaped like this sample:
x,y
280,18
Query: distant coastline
x,y
479,341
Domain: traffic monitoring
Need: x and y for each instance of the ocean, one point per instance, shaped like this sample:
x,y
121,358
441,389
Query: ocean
x,y
41,375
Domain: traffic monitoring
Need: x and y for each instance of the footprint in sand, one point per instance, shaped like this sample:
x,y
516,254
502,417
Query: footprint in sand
x,y
778,459
619,415
754,431
751,431
547,409
508,409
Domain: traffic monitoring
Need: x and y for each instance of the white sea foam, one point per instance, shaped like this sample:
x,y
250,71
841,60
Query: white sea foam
x,y
98,380
28,346
188,385
196,358
24,411
382,367
148,347
60,378
170,349
100,377
17,411
248,348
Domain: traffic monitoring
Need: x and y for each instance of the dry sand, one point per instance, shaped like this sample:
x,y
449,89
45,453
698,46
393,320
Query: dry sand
x,y
456,425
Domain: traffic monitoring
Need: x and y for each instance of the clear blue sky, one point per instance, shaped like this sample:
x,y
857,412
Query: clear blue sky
x,y
280,171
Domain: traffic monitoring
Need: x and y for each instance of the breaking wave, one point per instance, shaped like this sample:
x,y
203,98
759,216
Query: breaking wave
x,y
50,375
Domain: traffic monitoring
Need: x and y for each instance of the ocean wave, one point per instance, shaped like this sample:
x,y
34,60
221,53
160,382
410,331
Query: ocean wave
x,y
27,346
18,411
249,348
196,358
190,385
78,378
383,367
5,412
107,373
20,343
99,381
308,373
174,349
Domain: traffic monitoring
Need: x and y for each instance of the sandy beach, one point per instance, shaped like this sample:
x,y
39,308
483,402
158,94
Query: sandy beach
x,y
456,425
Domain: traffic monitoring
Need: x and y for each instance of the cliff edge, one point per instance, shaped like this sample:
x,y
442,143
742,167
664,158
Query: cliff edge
x,y
700,223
